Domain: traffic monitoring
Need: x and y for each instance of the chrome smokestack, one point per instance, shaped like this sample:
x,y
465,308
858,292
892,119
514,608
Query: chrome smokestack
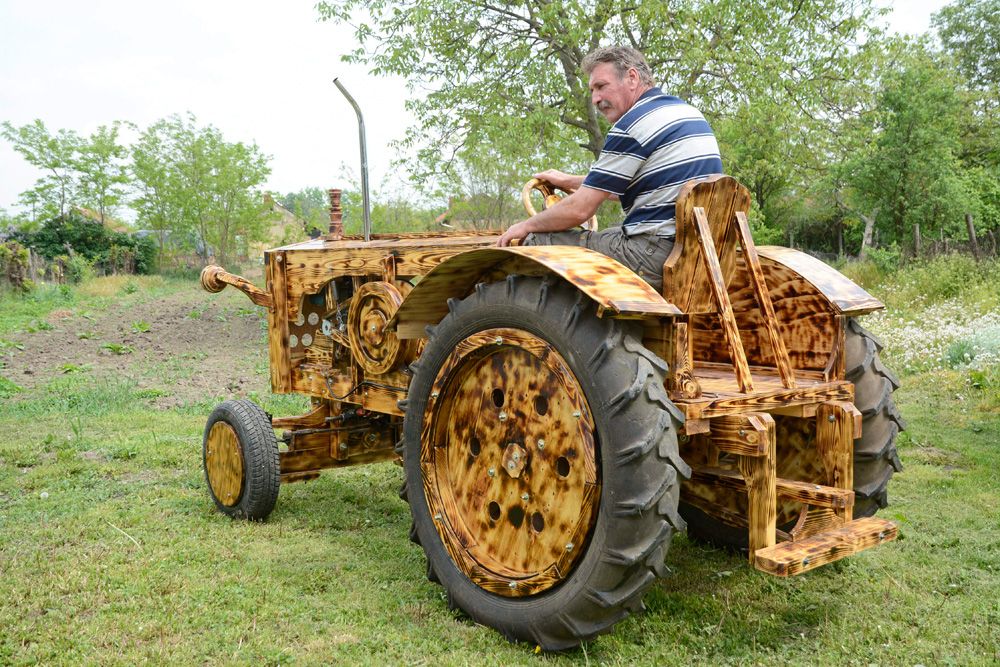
x,y
364,159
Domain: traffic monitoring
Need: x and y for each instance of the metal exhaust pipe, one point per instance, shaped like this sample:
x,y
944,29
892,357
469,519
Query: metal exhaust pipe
x,y
364,159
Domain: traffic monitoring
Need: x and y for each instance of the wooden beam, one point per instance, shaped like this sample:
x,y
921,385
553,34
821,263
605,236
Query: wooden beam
x,y
756,275
746,435
837,425
726,316
760,476
812,494
791,558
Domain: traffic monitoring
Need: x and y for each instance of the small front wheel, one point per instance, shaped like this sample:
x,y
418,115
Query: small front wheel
x,y
240,458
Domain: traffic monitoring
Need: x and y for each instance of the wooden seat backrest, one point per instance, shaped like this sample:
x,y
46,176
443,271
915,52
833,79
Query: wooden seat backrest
x,y
684,272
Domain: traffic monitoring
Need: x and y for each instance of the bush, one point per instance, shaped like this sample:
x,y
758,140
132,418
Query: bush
x,y
106,250
78,268
14,264
885,259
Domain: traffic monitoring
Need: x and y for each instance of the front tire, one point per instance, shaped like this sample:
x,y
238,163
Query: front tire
x,y
240,459
551,544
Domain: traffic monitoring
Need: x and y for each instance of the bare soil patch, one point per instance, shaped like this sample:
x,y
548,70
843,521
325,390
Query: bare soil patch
x,y
182,348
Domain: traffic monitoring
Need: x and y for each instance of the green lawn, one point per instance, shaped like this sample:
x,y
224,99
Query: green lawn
x,y
111,551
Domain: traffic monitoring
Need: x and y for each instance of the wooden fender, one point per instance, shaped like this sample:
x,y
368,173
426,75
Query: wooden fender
x,y
615,289
846,297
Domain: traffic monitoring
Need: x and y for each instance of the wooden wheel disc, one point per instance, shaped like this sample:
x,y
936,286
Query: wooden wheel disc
x,y
508,462
224,463
376,350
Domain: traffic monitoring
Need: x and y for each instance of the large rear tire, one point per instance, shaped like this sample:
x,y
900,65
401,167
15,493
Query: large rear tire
x,y
541,462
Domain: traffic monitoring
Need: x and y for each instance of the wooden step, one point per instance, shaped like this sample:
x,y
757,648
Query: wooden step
x,y
791,558
811,494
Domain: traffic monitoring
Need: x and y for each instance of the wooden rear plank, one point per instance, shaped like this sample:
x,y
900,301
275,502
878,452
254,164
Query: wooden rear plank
x,y
813,494
790,558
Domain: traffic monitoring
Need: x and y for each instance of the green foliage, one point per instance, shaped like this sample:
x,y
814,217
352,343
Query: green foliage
x,y
14,259
311,205
118,348
504,81
8,388
141,326
885,259
78,268
192,183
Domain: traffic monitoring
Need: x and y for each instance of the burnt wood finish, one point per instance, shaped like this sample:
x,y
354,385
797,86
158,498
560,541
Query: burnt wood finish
x,y
510,474
756,277
613,287
791,558
215,279
762,495
224,463
837,426
277,324
725,309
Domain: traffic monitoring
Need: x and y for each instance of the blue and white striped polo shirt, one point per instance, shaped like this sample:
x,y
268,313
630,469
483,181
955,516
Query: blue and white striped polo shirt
x,y
658,145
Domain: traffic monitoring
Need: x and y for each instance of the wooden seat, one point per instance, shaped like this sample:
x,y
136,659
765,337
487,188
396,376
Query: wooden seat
x,y
711,222
732,405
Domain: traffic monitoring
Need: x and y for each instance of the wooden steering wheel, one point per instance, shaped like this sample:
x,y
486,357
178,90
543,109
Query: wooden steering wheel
x,y
550,198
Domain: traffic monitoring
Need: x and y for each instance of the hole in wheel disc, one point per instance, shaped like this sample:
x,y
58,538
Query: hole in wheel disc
x,y
538,522
498,397
475,446
562,466
541,405
516,516
494,509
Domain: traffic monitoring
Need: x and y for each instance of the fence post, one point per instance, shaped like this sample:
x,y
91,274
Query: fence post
x,y
972,235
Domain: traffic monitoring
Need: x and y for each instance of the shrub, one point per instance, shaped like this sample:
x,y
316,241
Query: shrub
x,y
78,268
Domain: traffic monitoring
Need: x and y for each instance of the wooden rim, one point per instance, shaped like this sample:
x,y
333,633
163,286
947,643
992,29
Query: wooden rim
x,y
508,461
224,463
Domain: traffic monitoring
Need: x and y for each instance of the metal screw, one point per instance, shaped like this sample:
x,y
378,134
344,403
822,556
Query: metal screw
x,y
278,258
541,444
881,536
525,497
512,585
499,341
437,517
831,419
491,472
516,457
817,487
576,413
742,432
511,465
569,546
435,394
503,416
805,561
343,446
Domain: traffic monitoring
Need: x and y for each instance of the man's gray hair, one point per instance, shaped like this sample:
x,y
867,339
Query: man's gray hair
x,y
623,58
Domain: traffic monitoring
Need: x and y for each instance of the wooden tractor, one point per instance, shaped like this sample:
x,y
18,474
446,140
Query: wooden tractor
x,y
558,419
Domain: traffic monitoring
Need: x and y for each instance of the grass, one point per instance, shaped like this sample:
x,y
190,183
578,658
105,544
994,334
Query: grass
x,y
111,552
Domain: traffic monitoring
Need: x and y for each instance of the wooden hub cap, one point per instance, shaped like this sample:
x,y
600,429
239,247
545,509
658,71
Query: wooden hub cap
x,y
508,462
224,464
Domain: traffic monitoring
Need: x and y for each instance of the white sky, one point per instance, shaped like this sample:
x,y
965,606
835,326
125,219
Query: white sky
x,y
259,71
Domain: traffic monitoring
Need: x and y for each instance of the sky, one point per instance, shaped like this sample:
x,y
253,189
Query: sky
x,y
259,71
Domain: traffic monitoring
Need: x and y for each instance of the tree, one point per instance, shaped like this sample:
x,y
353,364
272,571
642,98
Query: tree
x,y
311,205
54,154
191,180
505,77
102,171
911,174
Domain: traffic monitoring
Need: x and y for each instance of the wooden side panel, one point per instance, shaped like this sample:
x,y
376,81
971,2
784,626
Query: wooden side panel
x,y
277,324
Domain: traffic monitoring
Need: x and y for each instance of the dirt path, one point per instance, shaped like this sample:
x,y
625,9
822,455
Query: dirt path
x,y
186,346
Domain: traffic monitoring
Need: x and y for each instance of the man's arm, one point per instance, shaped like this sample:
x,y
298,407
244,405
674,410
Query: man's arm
x,y
574,210
563,181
